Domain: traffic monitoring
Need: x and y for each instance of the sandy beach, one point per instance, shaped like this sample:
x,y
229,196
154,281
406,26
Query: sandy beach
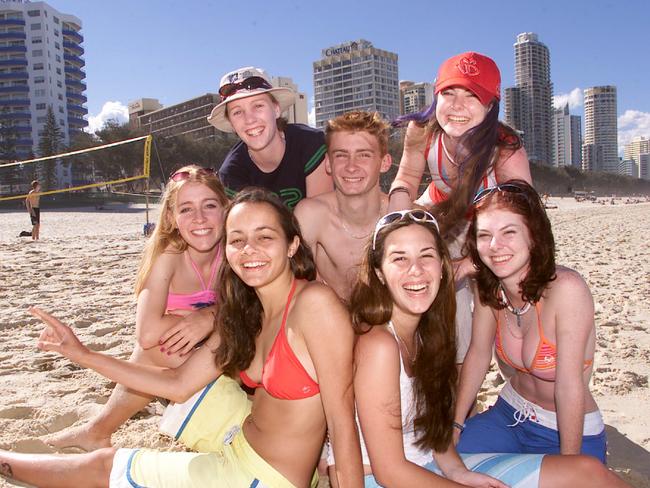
x,y
83,271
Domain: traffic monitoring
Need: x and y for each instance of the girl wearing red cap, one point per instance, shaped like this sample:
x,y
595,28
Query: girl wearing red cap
x,y
466,149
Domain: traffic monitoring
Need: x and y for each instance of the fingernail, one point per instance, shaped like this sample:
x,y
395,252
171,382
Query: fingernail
x,y
162,349
169,353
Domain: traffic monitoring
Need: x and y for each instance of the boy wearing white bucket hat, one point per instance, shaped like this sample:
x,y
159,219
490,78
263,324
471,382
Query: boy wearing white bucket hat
x,y
284,158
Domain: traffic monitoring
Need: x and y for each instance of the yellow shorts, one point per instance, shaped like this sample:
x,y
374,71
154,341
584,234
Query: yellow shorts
x,y
209,422
201,422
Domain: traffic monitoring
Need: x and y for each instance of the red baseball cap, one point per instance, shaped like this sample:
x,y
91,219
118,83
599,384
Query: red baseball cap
x,y
472,71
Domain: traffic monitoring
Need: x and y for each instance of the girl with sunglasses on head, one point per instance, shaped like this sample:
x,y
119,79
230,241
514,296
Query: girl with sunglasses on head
x,y
176,289
539,317
466,148
403,311
270,332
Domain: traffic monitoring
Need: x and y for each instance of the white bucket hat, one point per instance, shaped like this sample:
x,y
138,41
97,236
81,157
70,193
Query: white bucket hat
x,y
246,82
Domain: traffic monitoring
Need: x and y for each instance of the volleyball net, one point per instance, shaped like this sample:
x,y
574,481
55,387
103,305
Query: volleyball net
x,y
122,166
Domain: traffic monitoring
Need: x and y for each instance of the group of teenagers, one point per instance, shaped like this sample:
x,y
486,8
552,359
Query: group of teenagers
x,y
360,324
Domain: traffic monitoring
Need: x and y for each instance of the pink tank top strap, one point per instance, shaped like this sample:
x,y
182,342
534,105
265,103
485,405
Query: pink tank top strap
x,y
213,269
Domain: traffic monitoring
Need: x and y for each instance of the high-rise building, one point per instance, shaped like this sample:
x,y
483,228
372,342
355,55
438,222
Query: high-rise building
x,y
644,166
628,167
355,76
297,113
567,138
529,107
189,118
601,130
633,150
40,66
414,97
576,141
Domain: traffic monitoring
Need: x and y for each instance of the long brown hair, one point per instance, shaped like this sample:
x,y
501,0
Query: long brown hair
x,y
541,272
165,237
239,319
435,374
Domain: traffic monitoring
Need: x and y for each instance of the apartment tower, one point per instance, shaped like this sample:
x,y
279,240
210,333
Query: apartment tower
x,y
415,97
355,76
40,65
528,107
600,148
567,138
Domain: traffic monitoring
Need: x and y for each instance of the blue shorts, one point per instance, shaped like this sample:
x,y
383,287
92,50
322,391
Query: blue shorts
x,y
515,470
493,430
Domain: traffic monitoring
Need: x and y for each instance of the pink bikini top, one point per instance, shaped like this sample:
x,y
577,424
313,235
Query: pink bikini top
x,y
283,375
200,299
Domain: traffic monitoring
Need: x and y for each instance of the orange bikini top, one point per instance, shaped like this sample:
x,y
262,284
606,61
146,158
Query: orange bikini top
x,y
545,359
283,375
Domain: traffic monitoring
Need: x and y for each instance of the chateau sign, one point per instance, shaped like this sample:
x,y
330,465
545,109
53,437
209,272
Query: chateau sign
x,y
345,48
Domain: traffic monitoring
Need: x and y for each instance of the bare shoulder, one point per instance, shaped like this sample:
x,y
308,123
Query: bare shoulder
x,y
378,343
513,165
315,296
568,281
314,206
311,213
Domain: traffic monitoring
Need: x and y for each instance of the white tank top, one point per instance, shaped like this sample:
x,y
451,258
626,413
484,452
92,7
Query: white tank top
x,y
411,451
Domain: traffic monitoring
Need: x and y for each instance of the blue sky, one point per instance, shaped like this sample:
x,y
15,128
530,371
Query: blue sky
x,y
174,50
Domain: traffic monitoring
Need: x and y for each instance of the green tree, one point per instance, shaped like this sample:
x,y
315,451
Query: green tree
x,y
50,143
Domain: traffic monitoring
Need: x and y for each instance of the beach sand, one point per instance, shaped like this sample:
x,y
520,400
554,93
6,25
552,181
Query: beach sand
x,y
83,271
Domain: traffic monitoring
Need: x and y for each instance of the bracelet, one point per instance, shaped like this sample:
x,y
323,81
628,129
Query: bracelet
x,y
460,427
399,189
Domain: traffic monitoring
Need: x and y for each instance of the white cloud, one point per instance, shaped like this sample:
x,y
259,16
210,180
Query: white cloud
x,y
311,116
110,111
574,98
631,124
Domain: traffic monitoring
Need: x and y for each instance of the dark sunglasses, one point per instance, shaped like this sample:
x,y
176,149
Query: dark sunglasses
x,y
251,83
506,187
186,174
416,215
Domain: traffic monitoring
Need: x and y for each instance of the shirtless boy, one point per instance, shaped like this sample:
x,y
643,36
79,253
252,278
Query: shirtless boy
x,y
32,202
337,225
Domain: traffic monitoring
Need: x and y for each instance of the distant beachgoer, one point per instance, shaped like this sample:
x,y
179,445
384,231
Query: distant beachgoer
x,y
176,288
337,225
466,148
269,332
539,317
284,158
32,202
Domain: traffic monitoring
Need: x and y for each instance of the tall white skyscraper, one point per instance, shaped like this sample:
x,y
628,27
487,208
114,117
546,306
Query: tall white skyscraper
x,y
635,148
41,61
355,76
567,138
528,107
600,148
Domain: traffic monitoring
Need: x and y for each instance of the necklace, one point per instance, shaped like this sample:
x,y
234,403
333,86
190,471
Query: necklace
x,y
364,236
444,149
517,312
512,333
411,359
350,233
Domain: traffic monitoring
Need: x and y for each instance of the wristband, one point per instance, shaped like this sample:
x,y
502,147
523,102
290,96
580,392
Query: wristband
x,y
399,189
460,427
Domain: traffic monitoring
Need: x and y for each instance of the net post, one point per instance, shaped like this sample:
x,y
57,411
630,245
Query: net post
x,y
147,170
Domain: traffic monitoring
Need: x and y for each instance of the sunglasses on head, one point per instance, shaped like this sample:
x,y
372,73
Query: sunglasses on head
x,y
250,83
186,174
505,187
416,215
